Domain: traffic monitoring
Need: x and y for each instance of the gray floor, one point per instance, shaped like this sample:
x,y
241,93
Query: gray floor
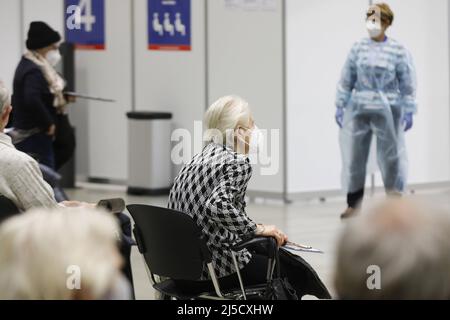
x,y
309,222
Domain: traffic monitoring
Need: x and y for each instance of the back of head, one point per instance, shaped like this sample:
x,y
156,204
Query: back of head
x,y
400,250
5,97
43,252
223,117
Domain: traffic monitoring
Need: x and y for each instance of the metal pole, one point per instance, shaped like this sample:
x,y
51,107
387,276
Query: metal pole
x,y
284,103
206,56
133,58
22,26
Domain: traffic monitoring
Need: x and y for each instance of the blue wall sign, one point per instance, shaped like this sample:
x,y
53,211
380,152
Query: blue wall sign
x,y
169,25
85,23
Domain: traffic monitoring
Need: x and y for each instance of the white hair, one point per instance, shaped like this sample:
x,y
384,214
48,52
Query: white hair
x,y
407,243
39,249
5,97
224,116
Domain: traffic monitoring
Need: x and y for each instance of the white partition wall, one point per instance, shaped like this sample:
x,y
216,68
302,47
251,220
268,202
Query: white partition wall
x,y
10,29
49,11
319,37
245,57
15,17
102,131
172,81
423,27
100,127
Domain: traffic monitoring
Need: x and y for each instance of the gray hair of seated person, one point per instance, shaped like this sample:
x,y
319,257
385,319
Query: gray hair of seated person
x,y
405,246
59,254
5,97
223,117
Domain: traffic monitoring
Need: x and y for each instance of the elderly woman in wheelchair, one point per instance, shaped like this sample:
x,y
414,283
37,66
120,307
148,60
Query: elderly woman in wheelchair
x,y
211,189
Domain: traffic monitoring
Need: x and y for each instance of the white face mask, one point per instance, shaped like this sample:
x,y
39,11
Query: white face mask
x,y
256,140
374,28
53,57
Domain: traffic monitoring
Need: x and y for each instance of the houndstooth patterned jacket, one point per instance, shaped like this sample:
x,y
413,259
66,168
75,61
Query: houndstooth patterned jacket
x,y
211,189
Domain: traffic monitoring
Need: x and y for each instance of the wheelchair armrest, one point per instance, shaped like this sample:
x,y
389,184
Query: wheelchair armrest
x,y
269,242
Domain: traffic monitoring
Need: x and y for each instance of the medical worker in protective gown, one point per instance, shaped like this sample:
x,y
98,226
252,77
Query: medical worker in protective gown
x,y
376,95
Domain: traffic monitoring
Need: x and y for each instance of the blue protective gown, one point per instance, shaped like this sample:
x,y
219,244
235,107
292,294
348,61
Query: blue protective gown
x,y
376,89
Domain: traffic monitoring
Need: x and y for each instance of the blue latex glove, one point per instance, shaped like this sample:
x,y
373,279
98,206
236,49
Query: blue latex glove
x,y
408,121
340,117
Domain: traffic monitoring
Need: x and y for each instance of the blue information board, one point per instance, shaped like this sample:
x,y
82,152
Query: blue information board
x,y
85,23
169,25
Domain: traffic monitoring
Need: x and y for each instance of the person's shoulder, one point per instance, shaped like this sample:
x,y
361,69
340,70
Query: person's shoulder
x,y
225,155
358,45
398,48
21,158
18,159
395,44
25,160
28,68
26,65
361,42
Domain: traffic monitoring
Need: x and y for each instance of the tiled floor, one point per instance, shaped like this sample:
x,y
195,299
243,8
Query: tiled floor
x,y
313,222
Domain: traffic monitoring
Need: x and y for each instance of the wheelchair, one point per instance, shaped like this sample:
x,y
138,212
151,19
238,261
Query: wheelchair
x,y
174,249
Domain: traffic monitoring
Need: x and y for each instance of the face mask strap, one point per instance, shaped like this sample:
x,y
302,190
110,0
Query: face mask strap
x,y
247,129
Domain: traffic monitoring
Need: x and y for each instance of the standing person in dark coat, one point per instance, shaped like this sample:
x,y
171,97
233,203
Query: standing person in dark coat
x,y
41,125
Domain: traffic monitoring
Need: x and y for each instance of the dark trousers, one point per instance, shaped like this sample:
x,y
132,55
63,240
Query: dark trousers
x,y
52,152
40,147
354,199
64,143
